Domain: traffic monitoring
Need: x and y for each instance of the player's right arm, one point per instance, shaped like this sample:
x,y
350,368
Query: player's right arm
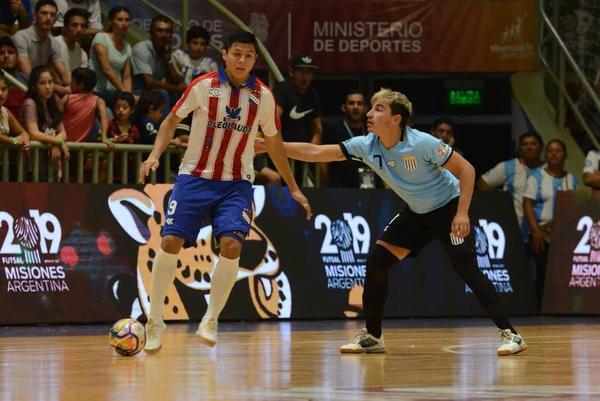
x,y
163,137
313,153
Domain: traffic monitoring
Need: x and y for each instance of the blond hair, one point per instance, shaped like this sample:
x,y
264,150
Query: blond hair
x,y
399,104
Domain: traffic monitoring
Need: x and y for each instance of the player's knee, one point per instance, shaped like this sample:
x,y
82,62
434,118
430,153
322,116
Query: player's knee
x,y
380,260
230,246
171,244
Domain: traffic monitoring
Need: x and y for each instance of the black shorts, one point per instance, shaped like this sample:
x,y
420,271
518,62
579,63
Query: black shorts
x,y
413,231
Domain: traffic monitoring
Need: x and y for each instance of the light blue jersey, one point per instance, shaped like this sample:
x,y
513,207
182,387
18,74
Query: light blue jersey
x,y
512,176
542,189
411,168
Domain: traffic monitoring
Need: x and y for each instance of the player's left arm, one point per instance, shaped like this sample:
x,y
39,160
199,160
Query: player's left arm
x,y
464,171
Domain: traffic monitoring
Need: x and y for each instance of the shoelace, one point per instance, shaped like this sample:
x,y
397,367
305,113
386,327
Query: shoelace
x,y
360,336
506,337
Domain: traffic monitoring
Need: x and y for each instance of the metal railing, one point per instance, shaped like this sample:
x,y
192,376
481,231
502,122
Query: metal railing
x,y
95,163
560,66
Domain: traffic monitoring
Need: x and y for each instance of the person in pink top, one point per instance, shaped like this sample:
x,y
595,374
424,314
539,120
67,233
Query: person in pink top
x,y
82,108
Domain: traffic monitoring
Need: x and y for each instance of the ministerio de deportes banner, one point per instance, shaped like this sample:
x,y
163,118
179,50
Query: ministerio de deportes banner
x,y
84,253
376,35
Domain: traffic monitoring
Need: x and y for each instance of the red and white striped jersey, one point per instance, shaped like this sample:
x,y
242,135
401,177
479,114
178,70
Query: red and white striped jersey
x,y
224,124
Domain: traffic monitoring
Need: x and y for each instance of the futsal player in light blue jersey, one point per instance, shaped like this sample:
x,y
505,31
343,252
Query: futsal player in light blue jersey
x,y
539,201
512,175
437,185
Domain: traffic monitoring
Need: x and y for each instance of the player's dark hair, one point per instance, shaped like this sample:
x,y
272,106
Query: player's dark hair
x,y
75,12
196,32
531,134
354,91
240,37
85,76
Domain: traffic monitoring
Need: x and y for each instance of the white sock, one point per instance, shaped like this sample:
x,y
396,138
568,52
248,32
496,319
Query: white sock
x,y
163,274
221,283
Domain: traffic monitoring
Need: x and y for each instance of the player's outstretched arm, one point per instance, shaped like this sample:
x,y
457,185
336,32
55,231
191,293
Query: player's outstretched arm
x,y
313,153
163,137
274,146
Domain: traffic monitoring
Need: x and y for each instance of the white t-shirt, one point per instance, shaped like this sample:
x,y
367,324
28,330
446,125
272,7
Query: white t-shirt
x,y
189,68
592,162
72,58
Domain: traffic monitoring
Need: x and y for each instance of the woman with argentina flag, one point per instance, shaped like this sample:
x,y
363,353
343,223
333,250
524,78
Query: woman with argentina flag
x,y
437,185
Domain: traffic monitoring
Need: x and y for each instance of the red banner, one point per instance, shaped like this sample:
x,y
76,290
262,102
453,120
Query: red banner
x,y
390,36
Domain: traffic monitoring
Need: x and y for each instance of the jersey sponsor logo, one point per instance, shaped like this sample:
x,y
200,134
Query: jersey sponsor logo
x,y
410,163
391,163
214,92
296,115
442,149
228,125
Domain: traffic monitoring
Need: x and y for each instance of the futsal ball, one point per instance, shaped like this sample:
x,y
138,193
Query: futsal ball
x,y
127,337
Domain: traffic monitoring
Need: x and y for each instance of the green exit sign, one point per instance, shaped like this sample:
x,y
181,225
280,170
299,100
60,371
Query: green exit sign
x,y
464,97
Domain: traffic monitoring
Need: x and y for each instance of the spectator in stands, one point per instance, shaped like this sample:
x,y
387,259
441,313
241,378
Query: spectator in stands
x,y
512,174
148,115
346,173
150,61
35,46
110,56
11,131
41,116
94,15
185,65
83,109
74,56
14,15
591,171
443,128
8,62
298,106
538,204
121,128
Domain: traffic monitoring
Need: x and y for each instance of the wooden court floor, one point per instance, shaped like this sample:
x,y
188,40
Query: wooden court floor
x,y
426,360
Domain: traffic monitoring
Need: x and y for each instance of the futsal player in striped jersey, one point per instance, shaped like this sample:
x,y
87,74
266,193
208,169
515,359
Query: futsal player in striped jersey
x,y
215,176
437,185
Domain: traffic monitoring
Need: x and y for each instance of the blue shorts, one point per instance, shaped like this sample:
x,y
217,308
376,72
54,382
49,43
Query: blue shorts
x,y
228,203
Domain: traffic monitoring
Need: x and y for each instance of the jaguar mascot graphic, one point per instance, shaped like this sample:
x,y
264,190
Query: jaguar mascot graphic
x,y
142,214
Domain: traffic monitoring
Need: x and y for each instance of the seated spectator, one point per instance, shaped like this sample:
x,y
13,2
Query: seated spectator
x,y
184,67
14,15
110,56
11,131
8,62
538,204
187,65
82,109
512,174
150,60
346,173
35,46
591,171
72,32
94,14
121,128
148,115
41,116
443,128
